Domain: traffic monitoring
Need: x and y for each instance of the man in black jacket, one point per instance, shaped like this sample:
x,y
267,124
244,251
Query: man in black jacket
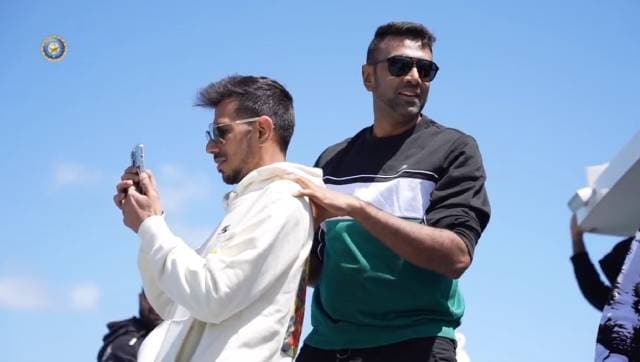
x,y
124,338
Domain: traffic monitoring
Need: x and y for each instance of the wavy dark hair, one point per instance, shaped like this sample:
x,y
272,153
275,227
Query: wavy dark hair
x,y
405,29
256,96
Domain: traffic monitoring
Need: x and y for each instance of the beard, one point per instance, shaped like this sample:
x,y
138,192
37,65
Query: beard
x,y
244,165
405,109
399,110
233,177
396,106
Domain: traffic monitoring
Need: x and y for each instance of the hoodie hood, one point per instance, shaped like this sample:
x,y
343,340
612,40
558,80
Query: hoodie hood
x,y
264,175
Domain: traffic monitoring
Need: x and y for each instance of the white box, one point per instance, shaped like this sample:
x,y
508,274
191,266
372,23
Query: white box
x,y
610,204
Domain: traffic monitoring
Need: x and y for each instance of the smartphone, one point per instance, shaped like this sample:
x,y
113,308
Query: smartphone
x,y
137,157
137,161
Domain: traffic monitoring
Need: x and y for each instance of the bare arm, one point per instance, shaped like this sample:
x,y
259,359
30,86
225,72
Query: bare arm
x,y
457,214
577,242
436,249
432,248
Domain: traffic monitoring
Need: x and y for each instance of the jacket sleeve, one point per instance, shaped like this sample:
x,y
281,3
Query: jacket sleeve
x,y
266,244
159,300
594,290
459,201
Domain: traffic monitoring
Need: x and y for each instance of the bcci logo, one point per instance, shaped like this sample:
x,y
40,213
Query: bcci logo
x,y
53,48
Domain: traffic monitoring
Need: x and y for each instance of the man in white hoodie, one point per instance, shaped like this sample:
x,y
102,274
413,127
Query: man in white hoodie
x,y
238,297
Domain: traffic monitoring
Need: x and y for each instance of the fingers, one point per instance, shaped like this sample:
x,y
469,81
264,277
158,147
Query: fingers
x,y
131,173
124,185
305,193
308,188
293,177
147,183
123,189
131,169
318,196
152,178
304,182
118,199
145,179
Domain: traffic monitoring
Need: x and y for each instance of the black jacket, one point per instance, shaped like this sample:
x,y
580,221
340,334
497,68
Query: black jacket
x,y
123,340
594,290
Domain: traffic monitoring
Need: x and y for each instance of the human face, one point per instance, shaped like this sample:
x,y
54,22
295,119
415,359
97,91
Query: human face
x,y
397,98
237,155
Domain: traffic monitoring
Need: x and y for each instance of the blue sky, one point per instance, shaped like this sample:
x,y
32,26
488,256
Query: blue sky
x,y
545,87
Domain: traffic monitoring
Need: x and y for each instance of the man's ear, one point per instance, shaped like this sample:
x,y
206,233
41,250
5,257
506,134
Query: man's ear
x,y
368,78
265,129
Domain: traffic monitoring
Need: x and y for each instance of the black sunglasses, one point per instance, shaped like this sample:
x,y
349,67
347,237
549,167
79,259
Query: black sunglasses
x,y
401,65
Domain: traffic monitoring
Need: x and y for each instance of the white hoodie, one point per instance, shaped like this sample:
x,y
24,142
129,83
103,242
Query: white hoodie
x,y
232,299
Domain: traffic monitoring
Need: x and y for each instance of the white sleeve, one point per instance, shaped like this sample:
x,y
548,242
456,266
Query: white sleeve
x,y
159,300
266,244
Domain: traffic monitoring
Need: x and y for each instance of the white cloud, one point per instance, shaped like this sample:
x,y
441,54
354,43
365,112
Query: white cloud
x,y
84,296
70,174
33,294
461,353
22,293
179,188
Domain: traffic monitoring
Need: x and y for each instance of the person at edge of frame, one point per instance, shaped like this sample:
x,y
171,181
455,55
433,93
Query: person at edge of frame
x,y
594,290
122,342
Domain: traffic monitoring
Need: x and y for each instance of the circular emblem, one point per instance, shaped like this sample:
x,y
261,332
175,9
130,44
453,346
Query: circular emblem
x,y
53,48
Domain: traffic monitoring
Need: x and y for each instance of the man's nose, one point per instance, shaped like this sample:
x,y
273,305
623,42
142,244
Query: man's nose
x,y
413,75
212,147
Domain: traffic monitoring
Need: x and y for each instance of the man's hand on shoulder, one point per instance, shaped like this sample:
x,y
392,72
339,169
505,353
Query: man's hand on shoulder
x,y
326,203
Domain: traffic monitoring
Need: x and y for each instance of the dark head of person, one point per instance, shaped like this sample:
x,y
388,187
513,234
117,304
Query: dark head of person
x,y
401,29
252,114
398,72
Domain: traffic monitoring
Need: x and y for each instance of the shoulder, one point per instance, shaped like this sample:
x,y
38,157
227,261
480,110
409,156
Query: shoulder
x,y
279,195
330,152
333,150
281,188
443,134
131,323
443,145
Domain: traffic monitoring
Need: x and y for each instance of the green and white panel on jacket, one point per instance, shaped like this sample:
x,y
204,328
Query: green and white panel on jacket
x,y
368,295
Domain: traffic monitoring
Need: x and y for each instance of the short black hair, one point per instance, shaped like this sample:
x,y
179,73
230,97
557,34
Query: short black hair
x,y
405,29
256,96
